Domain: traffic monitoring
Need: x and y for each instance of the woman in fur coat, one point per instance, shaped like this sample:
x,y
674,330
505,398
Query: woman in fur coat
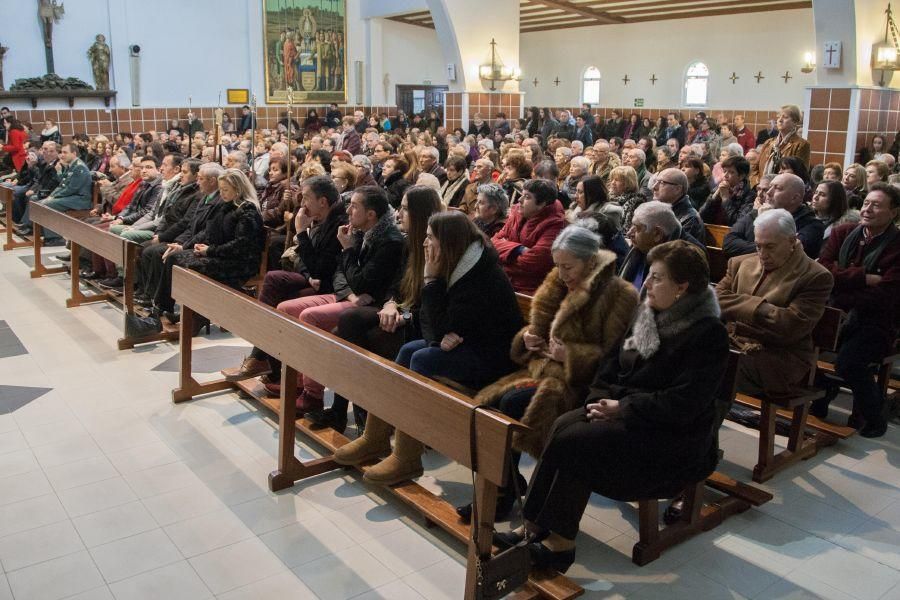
x,y
578,315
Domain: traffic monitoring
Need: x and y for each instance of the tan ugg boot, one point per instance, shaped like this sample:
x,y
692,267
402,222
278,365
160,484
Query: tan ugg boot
x,y
374,443
403,464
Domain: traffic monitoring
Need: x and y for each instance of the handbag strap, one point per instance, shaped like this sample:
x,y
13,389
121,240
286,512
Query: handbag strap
x,y
473,457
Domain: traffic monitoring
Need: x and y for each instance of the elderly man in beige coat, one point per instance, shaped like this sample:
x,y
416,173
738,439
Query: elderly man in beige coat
x,y
771,301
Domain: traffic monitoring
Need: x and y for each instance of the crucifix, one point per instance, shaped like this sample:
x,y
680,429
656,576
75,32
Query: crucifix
x,y
556,81
49,12
535,82
733,78
653,79
786,76
625,79
759,77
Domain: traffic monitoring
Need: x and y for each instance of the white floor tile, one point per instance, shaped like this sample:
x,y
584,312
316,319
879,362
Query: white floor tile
x,y
38,545
366,520
183,503
55,579
851,573
405,551
29,514
301,543
208,532
344,574
142,457
80,472
136,554
114,523
274,512
76,448
237,565
396,590
5,592
283,585
177,581
18,463
100,593
800,586
161,479
95,497
24,486
446,579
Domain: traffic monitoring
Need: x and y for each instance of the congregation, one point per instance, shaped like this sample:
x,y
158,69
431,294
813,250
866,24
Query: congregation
x,y
412,241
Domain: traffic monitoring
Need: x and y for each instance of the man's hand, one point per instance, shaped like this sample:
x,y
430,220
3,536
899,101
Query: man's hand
x,y
345,236
315,284
604,410
200,249
450,341
94,212
872,279
116,222
363,300
303,220
171,249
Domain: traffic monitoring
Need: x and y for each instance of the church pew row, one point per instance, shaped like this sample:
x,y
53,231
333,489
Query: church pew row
x,y
6,197
807,434
396,394
99,241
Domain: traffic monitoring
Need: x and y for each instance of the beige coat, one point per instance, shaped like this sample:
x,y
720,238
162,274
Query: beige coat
x,y
795,146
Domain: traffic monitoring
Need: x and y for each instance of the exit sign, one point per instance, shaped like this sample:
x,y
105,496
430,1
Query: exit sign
x,y
638,102
426,82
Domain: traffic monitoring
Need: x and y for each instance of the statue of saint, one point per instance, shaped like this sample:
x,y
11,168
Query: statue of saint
x,y
98,54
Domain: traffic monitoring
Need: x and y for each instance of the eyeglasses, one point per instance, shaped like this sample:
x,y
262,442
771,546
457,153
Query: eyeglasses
x,y
672,183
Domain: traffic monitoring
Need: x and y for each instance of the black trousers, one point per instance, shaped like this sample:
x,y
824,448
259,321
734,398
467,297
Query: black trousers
x,y
862,344
513,404
149,269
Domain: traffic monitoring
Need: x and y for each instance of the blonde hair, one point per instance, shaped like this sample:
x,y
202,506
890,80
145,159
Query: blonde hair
x,y
311,169
627,175
246,192
793,111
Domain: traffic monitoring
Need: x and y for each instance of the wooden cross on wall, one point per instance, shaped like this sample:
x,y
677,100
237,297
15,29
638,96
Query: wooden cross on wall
x,y
759,77
786,76
556,81
625,79
653,79
535,82
734,77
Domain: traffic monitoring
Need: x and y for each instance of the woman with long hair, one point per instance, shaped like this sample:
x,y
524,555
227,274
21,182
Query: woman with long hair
x,y
854,182
591,196
384,329
468,316
393,180
16,136
829,202
698,183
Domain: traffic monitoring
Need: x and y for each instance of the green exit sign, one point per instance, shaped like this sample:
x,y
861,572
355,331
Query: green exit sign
x,y
426,82
638,102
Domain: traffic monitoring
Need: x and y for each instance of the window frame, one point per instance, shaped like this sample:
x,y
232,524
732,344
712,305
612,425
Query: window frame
x,y
687,77
585,79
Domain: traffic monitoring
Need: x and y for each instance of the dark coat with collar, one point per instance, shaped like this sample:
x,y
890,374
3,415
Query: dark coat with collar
x,y
689,218
319,251
810,230
190,228
370,268
180,205
144,201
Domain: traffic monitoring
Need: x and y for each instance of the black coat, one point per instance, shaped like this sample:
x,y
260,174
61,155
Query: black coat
x,y
319,250
189,229
145,199
483,131
689,218
46,181
395,186
178,207
480,307
370,269
585,136
810,231
666,435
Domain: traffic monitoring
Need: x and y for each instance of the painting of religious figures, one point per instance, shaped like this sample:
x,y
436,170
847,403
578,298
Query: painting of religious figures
x,y
305,49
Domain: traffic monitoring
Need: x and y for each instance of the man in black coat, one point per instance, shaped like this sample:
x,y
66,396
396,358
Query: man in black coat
x,y
671,187
45,181
786,191
614,127
583,132
248,120
333,116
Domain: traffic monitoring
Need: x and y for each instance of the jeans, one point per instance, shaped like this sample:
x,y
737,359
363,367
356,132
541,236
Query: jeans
x,y
464,364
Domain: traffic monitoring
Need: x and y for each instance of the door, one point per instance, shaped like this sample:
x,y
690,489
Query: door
x,y
421,98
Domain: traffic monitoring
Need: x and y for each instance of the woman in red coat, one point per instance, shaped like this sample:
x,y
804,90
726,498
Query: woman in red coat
x,y
15,138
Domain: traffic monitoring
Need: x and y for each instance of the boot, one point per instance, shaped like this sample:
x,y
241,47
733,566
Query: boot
x,y
374,443
251,367
403,464
137,327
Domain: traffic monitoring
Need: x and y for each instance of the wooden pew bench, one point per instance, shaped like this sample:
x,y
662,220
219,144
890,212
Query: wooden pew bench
x,y
800,445
718,261
883,373
378,385
6,197
101,242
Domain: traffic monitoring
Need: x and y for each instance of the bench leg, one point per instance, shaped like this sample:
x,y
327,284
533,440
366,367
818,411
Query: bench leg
x,y
799,448
188,387
76,297
39,269
486,501
290,470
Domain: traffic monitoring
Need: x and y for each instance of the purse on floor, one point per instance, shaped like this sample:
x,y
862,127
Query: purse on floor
x,y
500,574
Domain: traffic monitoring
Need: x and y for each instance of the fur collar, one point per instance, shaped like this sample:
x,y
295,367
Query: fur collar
x,y
384,224
575,300
468,260
651,328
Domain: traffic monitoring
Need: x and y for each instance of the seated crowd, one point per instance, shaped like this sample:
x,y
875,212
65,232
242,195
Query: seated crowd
x,y
411,241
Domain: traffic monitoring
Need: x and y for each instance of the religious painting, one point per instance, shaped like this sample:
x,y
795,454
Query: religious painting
x,y
305,50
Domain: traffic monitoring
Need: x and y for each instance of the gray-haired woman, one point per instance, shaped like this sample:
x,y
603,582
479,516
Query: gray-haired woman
x,y
491,208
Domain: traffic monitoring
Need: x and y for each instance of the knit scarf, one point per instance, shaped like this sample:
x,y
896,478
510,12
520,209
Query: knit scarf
x,y
775,158
384,224
650,328
871,258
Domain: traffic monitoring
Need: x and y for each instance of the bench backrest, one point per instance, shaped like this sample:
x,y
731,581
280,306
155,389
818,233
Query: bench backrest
x,y
428,411
715,235
107,245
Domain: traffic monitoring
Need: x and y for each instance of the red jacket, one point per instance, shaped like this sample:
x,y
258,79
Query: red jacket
x,y
746,139
878,304
527,269
126,196
16,147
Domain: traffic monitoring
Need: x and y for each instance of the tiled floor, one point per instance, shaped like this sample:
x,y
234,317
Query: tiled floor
x,y
108,490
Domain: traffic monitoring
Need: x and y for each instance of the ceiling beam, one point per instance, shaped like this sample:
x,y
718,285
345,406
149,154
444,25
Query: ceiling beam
x,y
732,10
595,15
401,19
700,6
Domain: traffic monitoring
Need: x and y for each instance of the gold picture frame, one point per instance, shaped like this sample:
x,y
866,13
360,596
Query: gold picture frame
x,y
238,96
304,47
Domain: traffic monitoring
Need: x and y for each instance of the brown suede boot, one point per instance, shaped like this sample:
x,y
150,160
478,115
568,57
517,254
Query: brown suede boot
x,y
251,367
403,464
374,443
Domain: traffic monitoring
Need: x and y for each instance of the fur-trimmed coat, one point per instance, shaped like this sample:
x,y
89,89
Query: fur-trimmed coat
x,y
590,321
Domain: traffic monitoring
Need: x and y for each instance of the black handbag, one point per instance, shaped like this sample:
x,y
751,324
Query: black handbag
x,y
500,574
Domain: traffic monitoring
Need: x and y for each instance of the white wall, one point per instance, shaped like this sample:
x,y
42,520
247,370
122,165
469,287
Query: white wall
x,y
410,55
769,42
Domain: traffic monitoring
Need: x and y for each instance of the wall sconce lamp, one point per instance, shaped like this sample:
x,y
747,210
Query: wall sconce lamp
x,y
809,63
884,54
496,70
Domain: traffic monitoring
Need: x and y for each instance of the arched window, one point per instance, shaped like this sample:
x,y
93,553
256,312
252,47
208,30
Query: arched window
x,y
590,86
696,84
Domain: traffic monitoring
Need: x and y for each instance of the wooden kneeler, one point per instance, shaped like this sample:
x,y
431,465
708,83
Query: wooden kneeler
x,y
6,197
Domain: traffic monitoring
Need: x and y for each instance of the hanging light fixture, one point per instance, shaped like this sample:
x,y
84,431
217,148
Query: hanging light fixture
x,y
496,70
885,54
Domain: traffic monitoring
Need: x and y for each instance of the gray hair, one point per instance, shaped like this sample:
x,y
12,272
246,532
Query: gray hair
x,y
579,241
577,144
239,157
361,160
123,160
780,219
767,178
657,214
434,152
680,176
489,144
583,161
212,169
280,147
734,149
566,151
495,194
639,153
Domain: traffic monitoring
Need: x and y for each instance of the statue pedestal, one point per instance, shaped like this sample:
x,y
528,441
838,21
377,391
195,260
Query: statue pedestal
x,y
70,95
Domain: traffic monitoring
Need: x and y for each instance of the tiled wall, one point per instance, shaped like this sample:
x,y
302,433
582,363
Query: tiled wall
x,y
879,112
829,117
137,120
488,104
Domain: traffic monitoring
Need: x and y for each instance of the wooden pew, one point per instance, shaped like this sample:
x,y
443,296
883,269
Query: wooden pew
x,y
697,516
718,261
6,197
883,372
800,445
715,235
101,242
379,385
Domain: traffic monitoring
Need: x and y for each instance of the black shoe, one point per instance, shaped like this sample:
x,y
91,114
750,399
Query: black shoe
x,y
874,429
508,539
143,301
113,283
544,558
819,408
22,231
506,499
173,317
327,417
67,257
673,512
54,242
91,275
137,327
